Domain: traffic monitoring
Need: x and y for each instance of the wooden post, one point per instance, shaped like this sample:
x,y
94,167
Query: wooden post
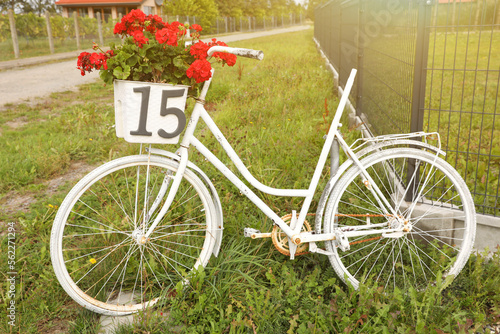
x,y
77,31
479,9
13,33
49,31
497,17
99,28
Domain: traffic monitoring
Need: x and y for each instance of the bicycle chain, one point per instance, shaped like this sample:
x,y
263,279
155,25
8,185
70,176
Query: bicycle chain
x,y
286,251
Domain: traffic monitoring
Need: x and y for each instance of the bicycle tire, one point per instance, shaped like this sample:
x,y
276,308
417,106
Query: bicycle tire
x,y
96,244
439,231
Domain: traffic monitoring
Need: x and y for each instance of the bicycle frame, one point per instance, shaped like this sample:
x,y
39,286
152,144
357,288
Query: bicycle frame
x,y
292,231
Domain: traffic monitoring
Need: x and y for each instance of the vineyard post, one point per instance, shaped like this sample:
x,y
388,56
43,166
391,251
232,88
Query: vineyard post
x,y
99,28
13,33
49,32
77,31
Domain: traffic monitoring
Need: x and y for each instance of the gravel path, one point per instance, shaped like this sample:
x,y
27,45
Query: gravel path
x,y
19,85
28,84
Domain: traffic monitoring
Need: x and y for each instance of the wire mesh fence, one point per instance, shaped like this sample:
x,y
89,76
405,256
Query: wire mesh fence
x,y
425,65
461,96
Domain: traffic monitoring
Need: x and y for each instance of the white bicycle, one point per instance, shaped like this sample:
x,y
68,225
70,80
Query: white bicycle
x,y
135,227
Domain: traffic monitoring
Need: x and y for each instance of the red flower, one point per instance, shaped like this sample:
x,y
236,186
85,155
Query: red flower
x,y
197,27
167,35
120,28
87,62
227,58
133,21
139,38
155,23
135,16
200,70
199,50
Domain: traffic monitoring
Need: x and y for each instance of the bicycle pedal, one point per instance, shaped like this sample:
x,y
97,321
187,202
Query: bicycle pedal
x,y
248,232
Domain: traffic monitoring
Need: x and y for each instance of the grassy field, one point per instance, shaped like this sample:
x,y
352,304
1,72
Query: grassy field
x,y
272,111
40,47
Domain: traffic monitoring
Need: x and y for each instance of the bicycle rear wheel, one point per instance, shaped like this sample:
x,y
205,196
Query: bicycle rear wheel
x,y
99,252
432,200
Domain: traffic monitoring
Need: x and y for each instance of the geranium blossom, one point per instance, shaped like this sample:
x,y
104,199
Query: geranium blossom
x,y
196,27
167,35
139,38
200,70
167,52
89,61
199,50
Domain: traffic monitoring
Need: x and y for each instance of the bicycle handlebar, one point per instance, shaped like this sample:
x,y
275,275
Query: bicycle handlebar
x,y
249,53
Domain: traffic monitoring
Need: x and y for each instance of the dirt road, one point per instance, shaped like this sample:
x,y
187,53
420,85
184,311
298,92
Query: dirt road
x,y
31,83
28,84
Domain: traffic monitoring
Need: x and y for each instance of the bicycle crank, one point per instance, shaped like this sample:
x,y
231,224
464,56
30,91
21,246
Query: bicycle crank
x,y
280,239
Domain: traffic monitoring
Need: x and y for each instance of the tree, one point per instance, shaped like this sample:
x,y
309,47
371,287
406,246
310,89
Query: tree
x,y
311,6
205,10
27,6
256,8
38,7
232,8
15,5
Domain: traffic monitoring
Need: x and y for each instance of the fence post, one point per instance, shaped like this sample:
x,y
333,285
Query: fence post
x,y
99,28
49,31
77,31
497,17
13,33
420,62
419,79
359,77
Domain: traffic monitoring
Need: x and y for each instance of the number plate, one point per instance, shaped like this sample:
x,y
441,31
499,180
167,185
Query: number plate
x,y
148,112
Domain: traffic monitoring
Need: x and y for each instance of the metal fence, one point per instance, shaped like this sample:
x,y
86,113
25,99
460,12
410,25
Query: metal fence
x,y
425,65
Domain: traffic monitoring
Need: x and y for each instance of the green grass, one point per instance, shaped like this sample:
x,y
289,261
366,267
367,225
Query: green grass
x,y
272,111
40,47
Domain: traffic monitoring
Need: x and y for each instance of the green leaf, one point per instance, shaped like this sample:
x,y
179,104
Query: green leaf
x,y
157,66
121,73
146,69
178,62
123,56
133,60
106,76
179,73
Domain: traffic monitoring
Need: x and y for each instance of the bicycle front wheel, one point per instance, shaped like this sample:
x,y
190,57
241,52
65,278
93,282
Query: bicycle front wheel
x,y
99,252
430,201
